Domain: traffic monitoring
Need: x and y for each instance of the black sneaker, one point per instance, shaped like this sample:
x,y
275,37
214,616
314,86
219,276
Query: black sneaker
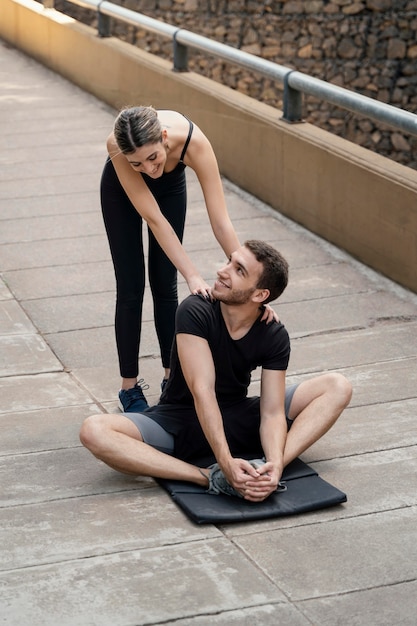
x,y
218,483
133,400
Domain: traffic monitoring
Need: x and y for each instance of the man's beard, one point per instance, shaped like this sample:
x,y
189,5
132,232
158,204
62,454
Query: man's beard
x,y
235,296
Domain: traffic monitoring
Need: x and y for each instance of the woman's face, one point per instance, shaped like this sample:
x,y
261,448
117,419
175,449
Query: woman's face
x,y
149,159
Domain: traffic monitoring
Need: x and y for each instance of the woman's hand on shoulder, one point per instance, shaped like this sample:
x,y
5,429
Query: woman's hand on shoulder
x,y
197,284
269,314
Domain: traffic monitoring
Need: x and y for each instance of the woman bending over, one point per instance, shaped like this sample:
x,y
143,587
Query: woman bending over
x,y
144,179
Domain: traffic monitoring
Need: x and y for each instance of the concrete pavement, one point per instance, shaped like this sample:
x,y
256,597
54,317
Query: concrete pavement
x,y
82,545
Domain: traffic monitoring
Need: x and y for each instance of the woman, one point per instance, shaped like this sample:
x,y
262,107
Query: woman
x,y
144,178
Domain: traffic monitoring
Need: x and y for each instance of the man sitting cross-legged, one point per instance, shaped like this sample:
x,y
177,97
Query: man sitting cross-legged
x,y
204,409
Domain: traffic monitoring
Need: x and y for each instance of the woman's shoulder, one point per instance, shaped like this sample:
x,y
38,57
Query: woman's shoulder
x,y
112,147
170,117
178,122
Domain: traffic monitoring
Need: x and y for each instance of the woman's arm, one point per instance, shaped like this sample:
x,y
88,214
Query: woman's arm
x,y
201,158
146,205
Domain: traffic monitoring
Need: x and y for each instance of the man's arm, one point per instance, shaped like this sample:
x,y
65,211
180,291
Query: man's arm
x,y
198,368
273,434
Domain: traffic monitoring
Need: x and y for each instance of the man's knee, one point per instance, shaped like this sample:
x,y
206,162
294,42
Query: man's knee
x,y
334,387
91,431
340,388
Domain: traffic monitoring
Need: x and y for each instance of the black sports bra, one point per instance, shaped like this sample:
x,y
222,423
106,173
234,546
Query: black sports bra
x,y
187,141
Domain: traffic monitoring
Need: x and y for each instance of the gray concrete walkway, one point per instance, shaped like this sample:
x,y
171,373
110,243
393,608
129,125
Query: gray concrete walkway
x,y
83,545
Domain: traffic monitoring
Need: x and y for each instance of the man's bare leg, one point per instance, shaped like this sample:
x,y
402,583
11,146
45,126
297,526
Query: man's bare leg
x,y
315,407
115,440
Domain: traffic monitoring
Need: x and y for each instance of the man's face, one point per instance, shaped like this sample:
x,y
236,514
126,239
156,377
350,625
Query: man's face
x,y
237,280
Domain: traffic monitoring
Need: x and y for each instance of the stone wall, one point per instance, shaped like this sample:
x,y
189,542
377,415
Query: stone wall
x,y
367,46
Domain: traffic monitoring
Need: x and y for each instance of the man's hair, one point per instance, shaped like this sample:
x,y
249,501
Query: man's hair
x,y
274,276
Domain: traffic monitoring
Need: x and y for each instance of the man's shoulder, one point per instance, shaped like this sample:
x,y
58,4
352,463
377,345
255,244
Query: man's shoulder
x,y
272,335
197,303
278,329
271,328
196,311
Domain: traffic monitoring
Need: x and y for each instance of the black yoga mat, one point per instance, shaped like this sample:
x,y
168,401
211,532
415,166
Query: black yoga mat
x,y
305,491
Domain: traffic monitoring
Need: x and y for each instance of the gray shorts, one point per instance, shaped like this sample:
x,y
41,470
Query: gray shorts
x,y
154,435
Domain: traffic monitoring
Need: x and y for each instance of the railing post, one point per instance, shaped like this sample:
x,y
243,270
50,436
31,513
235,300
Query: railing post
x,y
180,55
293,102
103,23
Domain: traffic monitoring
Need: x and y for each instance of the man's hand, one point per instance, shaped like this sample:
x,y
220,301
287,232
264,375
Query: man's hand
x,y
259,488
253,484
237,472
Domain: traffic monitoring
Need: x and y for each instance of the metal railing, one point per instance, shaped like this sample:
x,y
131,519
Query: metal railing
x,y
295,83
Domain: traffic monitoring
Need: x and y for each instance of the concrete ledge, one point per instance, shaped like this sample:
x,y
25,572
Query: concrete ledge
x,y
358,200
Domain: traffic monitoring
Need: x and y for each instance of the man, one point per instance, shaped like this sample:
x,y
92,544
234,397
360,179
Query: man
x,y
204,407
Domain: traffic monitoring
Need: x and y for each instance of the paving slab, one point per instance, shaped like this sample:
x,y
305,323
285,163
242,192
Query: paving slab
x,y
56,204
213,575
92,346
61,280
355,432
372,384
43,390
62,313
84,545
51,227
341,556
82,528
384,382
43,429
13,320
328,280
57,251
5,293
283,614
367,312
394,604
386,341
52,475
64,183
103,381
68,149
56,168
26,354
395,469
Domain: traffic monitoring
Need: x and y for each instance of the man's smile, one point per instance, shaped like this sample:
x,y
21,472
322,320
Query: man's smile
x,y
219,282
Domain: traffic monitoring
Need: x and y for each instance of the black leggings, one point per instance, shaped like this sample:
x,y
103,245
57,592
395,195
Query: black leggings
x,y
124,231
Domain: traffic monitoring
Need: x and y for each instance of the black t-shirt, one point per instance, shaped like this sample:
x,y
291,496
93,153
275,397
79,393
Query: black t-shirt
x,y
264,345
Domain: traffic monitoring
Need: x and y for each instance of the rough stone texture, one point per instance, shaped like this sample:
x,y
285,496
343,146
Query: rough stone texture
x,y
368,47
